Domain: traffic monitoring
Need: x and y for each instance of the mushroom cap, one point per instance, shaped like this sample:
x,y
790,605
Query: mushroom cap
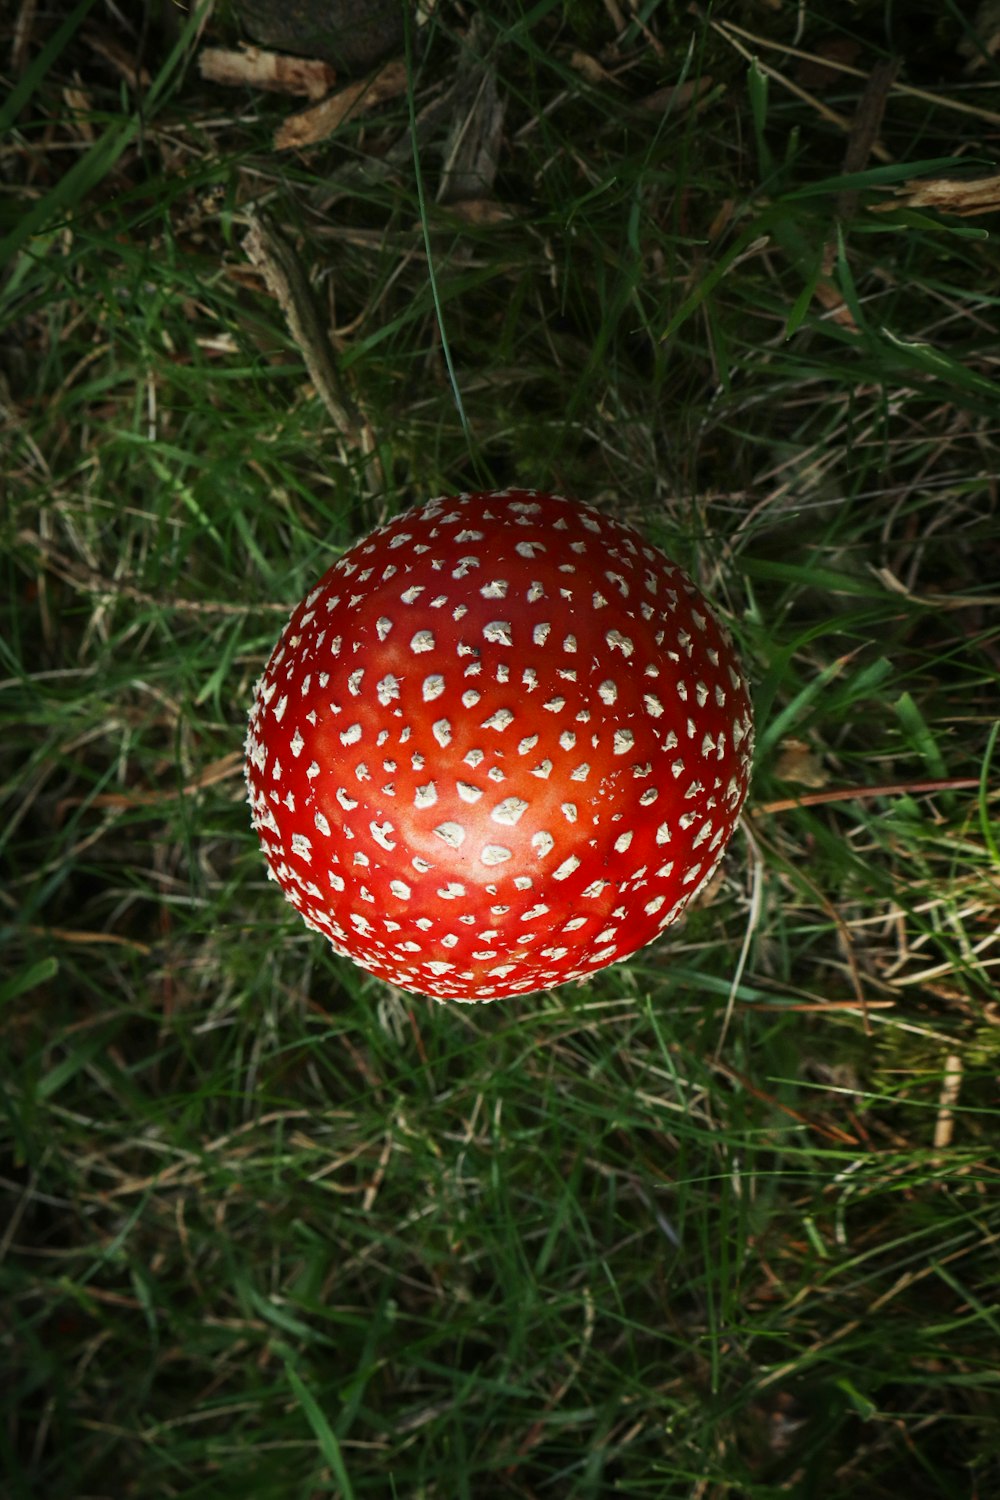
x,y
500,745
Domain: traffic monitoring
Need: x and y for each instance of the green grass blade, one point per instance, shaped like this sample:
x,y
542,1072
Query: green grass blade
x,y
323,1432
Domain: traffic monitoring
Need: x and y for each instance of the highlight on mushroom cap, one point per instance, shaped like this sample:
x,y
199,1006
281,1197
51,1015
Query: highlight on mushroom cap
x,y
500,745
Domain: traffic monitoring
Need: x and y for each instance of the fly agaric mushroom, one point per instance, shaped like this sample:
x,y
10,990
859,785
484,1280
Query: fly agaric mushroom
x,y
500,745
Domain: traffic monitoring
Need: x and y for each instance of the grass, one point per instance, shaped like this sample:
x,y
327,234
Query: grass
x,y
724,1222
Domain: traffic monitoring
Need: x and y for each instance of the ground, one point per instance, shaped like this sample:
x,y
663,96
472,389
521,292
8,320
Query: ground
x,y
723,1222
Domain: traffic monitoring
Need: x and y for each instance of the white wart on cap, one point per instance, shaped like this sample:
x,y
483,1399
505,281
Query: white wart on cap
x,y
500,745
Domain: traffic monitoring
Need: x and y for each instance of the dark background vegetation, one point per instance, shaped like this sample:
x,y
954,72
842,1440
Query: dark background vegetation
x,y
723,1222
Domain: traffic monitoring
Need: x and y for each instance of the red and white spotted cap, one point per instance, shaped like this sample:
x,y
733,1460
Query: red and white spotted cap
x,y
499,745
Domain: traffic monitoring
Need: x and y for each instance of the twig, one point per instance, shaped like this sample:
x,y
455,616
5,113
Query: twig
x,y
255,67
858,793
730,31
823,110
951,1084
831,1132
227,766
863,139
320,121
288,282
286,279
80,576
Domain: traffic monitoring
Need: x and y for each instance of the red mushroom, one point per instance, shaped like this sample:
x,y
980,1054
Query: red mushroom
x,y
500,745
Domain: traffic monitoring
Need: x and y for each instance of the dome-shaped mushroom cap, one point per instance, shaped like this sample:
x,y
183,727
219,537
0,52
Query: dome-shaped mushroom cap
x,y
499,745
